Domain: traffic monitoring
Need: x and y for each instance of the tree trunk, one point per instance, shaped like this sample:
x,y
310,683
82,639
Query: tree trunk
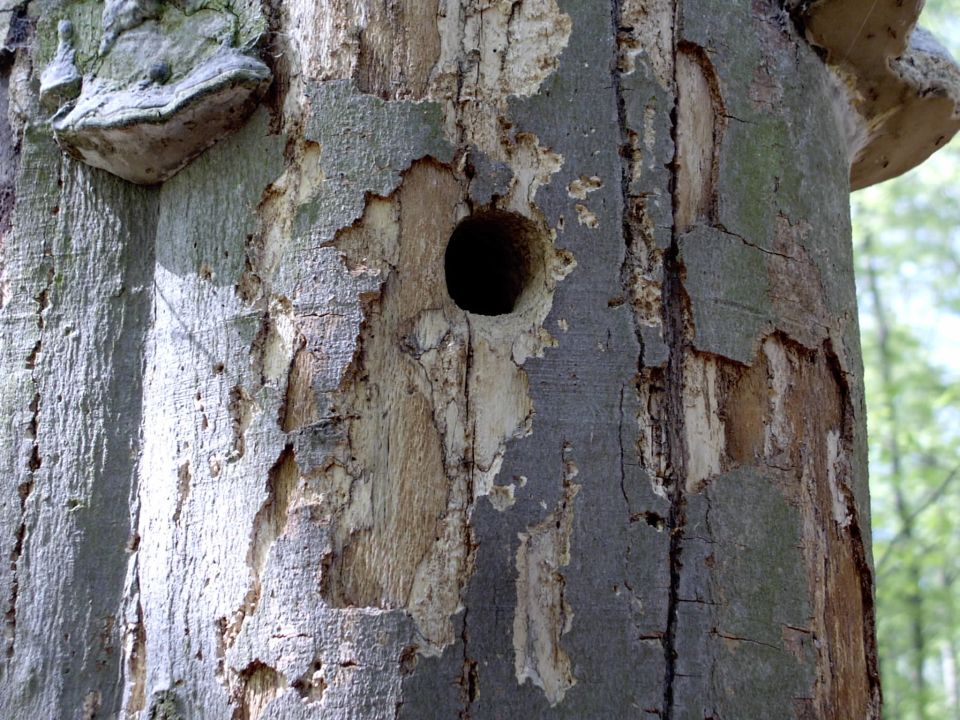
x,y
503,364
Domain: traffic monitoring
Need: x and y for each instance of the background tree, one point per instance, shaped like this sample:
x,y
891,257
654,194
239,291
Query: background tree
x,y
502,363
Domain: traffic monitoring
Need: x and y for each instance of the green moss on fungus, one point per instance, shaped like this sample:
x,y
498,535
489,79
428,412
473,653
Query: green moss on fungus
x,y
164,706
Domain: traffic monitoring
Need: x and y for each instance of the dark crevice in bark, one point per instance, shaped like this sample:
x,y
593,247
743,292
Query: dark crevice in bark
x,y
794,12
19,34
471,460
865,573
468,678
675,313
10,617
35,459
277,54
906,517
676,448
630,261
622,450
674,324
626,158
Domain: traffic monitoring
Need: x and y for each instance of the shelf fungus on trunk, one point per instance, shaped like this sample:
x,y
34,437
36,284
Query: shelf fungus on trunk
x,y
162,83
901,88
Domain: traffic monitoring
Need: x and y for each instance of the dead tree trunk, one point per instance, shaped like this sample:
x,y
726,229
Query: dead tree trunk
x,y
502,363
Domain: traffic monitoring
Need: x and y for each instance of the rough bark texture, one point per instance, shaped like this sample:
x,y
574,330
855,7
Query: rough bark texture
x,y
258,464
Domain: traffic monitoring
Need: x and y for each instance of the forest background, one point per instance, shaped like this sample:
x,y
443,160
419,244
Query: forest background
x,y
907,244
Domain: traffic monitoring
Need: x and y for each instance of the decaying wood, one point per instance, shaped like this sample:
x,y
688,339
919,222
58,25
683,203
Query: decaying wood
x,y
260,464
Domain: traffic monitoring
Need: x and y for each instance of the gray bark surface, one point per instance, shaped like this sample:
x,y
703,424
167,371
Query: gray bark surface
x,y
259,465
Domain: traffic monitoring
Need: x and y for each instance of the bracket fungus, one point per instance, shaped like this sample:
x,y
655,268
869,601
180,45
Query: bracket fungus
x,y
902,85
164,82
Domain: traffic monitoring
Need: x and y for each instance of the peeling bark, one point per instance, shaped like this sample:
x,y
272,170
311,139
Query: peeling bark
x,y
543,615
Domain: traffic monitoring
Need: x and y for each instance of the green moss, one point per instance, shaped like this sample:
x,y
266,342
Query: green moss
x,y
86,17
755,170
183,42
184,38
164,706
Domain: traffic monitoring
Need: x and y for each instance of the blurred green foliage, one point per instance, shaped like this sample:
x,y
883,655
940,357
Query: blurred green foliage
x,y
907,244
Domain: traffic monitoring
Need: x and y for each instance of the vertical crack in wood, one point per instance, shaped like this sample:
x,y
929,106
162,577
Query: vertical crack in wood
x,y
626,154
10,617
468,677
676,453
34,460
136,654
858,548
623,451
674,320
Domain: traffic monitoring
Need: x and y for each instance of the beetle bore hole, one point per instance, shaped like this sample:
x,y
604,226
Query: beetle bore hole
x,y
490,261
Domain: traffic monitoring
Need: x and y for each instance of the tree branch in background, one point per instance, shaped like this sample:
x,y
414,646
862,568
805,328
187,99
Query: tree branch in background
x,y
933,497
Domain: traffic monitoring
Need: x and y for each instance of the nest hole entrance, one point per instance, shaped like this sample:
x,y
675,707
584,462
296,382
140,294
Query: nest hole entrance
x,y
490,261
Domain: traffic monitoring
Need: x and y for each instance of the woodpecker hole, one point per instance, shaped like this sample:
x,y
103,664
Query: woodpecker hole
x,y
490,262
